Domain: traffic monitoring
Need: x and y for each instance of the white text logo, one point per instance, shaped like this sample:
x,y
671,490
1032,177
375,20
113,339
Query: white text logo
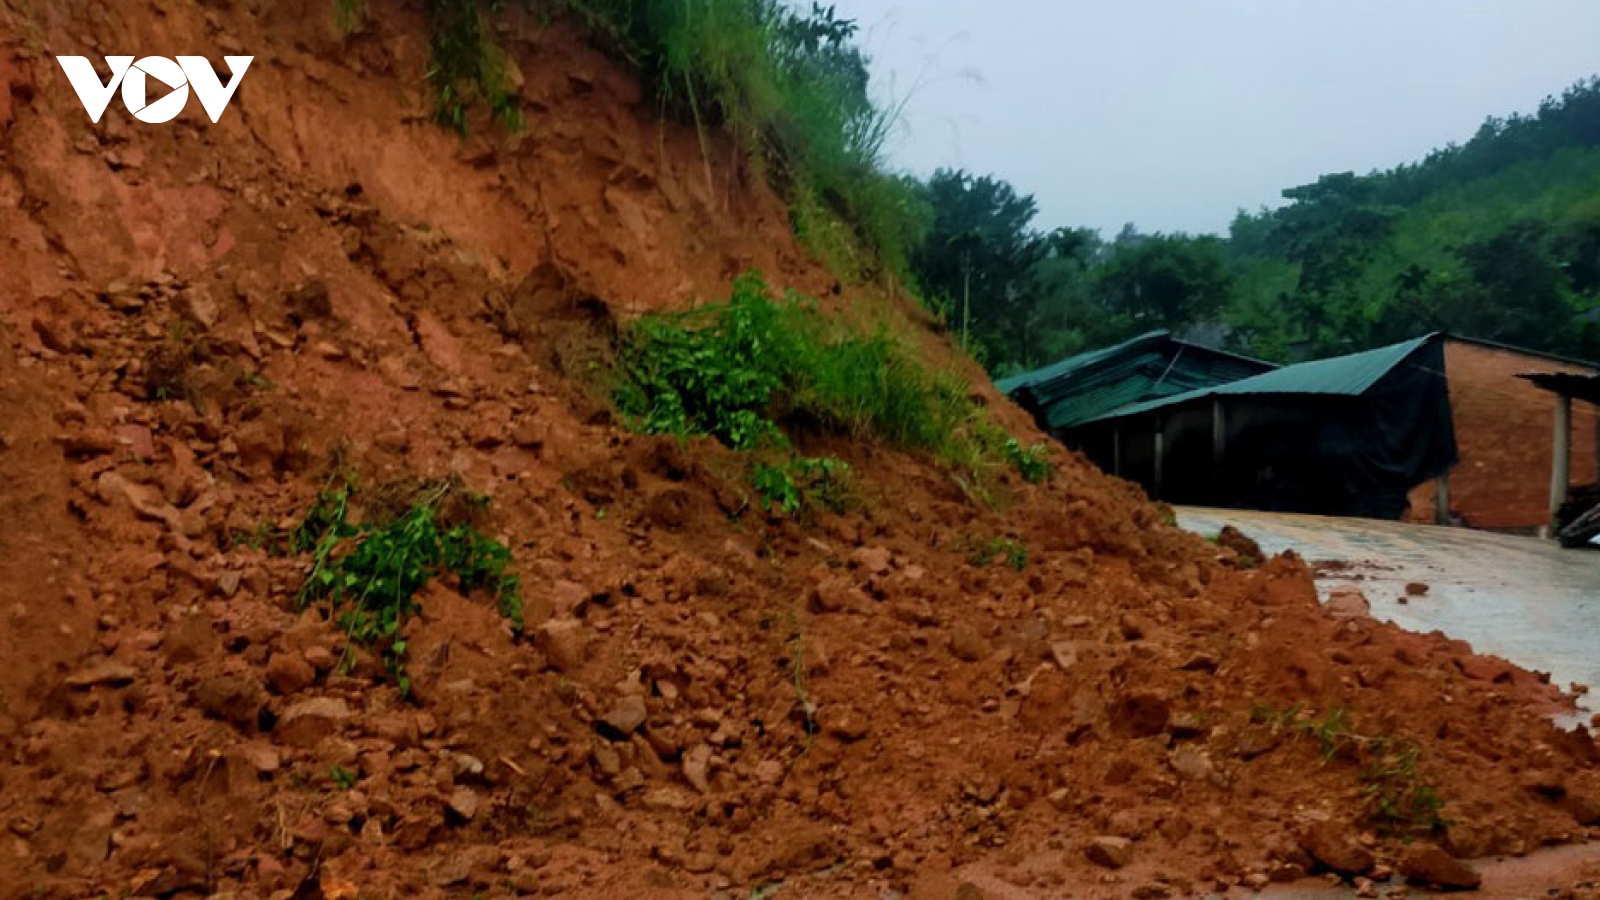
x,y
134,78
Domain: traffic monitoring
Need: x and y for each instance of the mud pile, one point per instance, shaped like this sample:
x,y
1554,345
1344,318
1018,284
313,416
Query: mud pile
x,y
200,322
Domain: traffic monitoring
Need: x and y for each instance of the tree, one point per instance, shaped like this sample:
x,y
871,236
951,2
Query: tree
x,y
1165,281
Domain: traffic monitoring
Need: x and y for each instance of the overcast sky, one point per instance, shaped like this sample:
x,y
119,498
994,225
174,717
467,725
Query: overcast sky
x,y
1172,114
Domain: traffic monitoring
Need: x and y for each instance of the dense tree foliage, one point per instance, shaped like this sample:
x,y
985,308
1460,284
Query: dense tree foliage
x,y
1497,238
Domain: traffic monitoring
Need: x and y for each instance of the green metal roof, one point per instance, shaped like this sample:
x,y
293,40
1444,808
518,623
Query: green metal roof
x,y
1075,363
1152,365
1350,375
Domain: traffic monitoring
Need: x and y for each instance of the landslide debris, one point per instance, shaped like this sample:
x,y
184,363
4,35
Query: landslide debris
x,y
1039,682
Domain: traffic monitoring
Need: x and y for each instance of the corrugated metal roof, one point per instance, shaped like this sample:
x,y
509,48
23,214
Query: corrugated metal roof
x,y
1152,365
1074,363
1350,375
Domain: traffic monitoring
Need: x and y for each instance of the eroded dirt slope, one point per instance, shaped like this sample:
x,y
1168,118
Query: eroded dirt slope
x,y
200,322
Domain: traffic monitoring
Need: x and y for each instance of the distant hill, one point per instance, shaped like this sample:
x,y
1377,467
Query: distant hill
x,y
1498,237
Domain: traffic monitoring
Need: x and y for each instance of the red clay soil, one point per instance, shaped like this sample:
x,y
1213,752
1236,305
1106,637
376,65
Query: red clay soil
x,y
198,322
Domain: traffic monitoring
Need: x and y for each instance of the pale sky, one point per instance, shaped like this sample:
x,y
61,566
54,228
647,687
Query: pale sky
x,y
1172,114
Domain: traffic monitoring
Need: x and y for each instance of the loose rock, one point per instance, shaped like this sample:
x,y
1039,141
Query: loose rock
x,y
1427,864
1108,851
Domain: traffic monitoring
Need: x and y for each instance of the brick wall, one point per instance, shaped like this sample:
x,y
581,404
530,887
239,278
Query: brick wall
x,y
1504,429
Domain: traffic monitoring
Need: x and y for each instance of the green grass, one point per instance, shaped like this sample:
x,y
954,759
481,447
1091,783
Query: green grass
x,y
754,372
370,572
1399,802
987,553
734,370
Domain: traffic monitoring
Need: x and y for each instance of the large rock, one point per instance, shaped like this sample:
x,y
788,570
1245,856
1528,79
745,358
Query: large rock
x,y
306,723
1140,715
1348,603
234,699
563,642
1108,851
106,672
1426,864
1333,846
967,645
872,560
627,715
289,673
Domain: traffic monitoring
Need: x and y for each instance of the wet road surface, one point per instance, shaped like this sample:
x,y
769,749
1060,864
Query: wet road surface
x,y
1521,598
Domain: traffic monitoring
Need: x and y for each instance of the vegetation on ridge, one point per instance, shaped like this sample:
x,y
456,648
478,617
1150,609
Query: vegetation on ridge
x,y
1498,238
754,372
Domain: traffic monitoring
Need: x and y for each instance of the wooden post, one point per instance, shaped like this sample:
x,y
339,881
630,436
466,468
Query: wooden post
x,y
1116,450
1561,457
1218,448
1161,427
1441,500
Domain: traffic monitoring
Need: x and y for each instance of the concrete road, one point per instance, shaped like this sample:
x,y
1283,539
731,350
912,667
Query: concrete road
x,y
1520,598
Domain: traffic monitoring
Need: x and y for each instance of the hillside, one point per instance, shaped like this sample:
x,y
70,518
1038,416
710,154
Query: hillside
x,y
1496,238
262,378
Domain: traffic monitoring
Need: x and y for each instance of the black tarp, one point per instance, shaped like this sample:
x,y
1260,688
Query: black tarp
x,y
1325,453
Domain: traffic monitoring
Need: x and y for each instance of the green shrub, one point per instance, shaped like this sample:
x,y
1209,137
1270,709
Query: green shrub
x,y
746,370
370,573
734,370
803,483
1011,551
1032,463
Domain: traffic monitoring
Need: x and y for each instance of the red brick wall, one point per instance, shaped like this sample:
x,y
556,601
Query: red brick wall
x,y
1504,429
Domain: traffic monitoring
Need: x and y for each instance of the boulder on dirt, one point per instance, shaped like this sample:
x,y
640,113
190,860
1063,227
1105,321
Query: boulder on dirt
x,y
1348,603
1140,715
563,642
306,723
697,767
289,673
464,804
625,717
234,699
836,595
1335,848
1416,589
1245,550
872,560
1108,851
967,645
106,672
1427,864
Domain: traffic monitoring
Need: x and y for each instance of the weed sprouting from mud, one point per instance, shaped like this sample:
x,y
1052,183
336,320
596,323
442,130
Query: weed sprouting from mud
x,y
1013,553
370,572
1399,803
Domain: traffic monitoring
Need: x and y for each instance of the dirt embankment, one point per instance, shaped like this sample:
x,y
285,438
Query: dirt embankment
x,y
198,322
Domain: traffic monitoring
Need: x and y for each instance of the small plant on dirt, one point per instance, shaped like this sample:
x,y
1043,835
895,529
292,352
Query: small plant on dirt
x,y
169,367
468,67
803,483
370,572
343,778
1032,463
1399,803
1012,552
